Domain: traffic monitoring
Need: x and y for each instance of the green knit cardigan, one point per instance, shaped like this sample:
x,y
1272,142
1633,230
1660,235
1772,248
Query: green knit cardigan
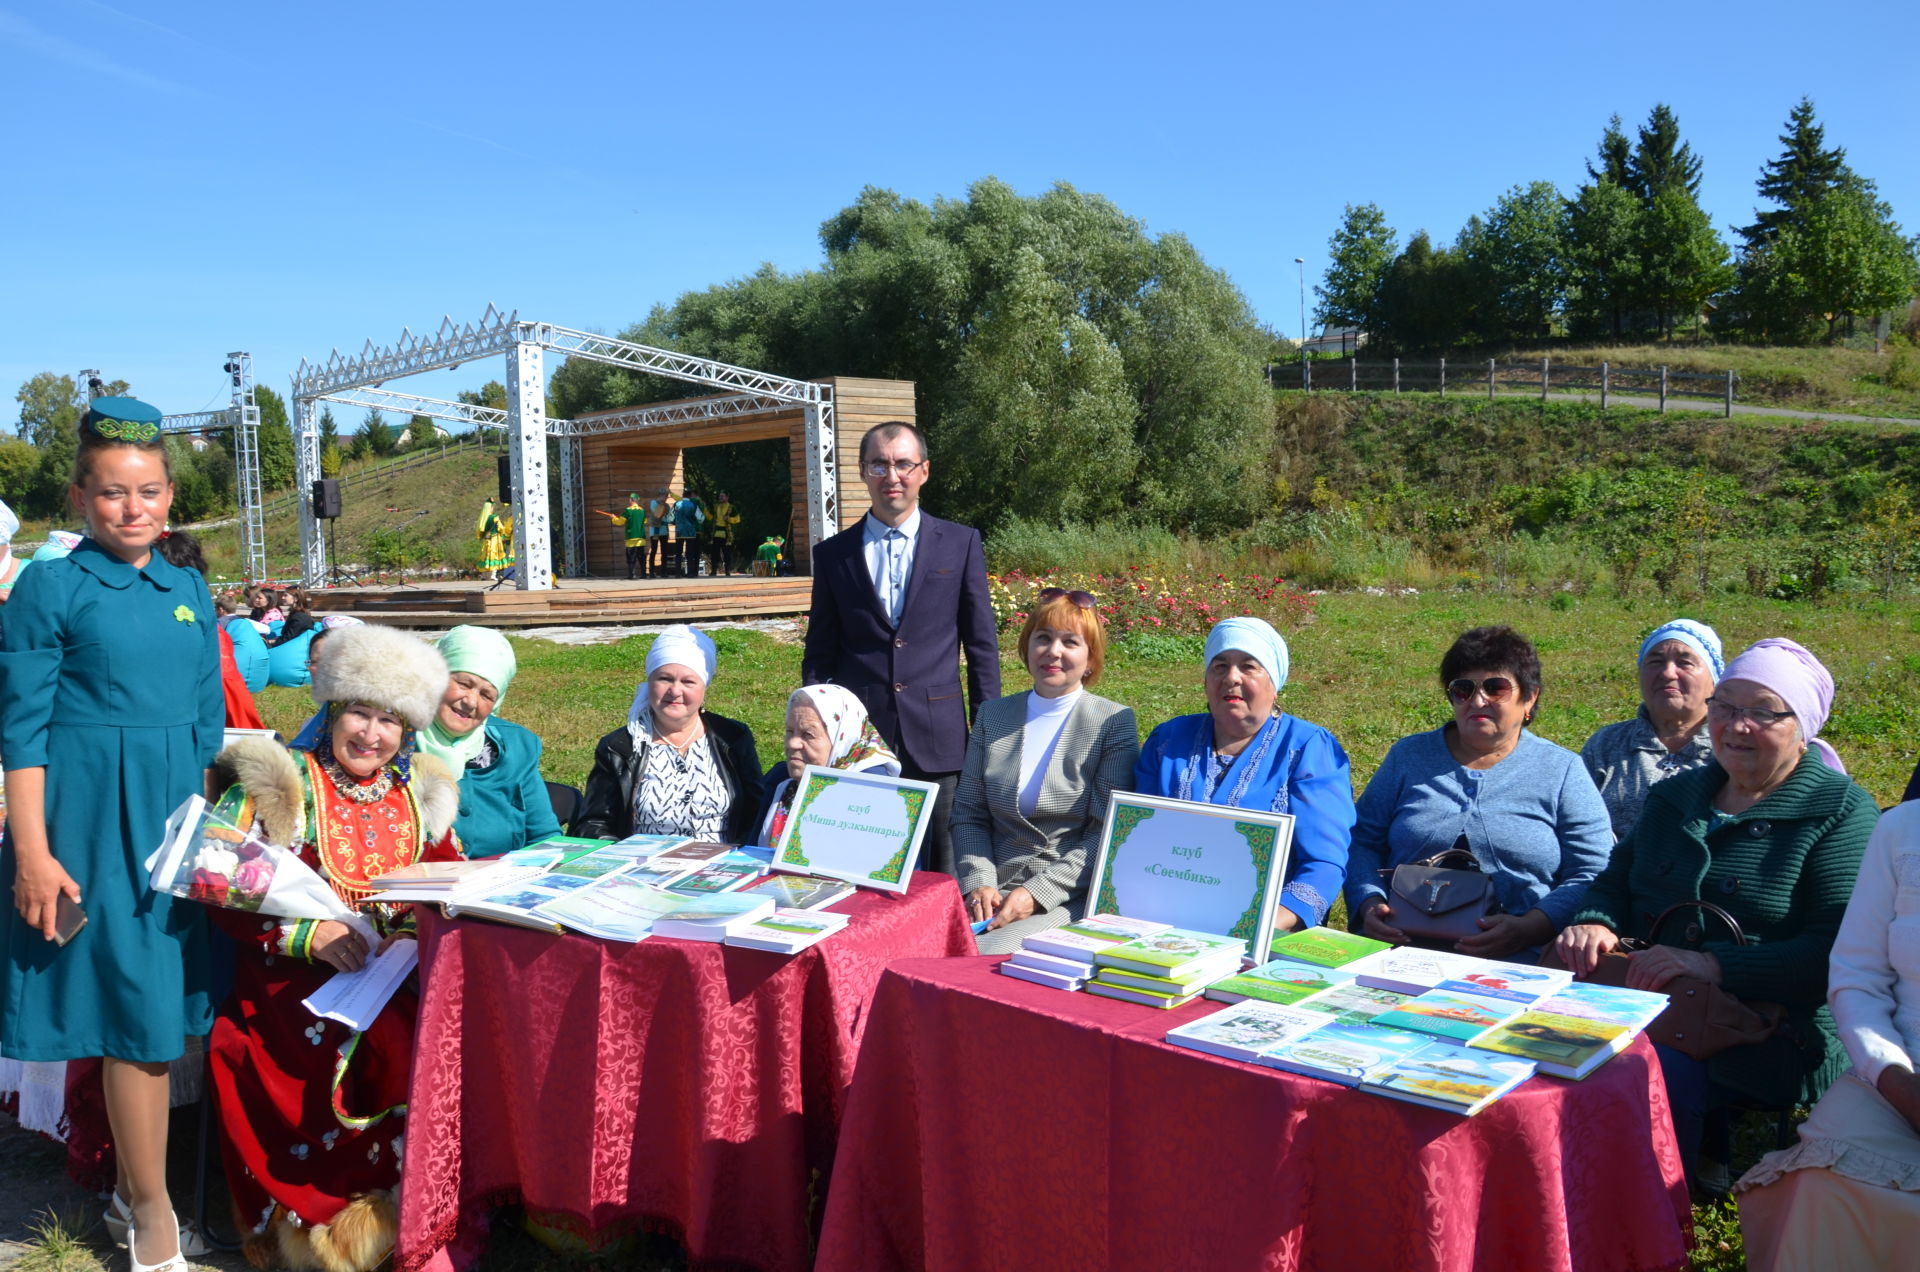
x,y
1784,868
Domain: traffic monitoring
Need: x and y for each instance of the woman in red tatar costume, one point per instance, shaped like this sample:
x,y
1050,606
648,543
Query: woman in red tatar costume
x,y
312,1113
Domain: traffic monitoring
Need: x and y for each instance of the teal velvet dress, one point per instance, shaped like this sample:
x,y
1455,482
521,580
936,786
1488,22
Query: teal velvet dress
x,y
110,680
504,805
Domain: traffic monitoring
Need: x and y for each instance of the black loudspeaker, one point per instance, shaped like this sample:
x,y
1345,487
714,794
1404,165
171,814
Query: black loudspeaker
x,y
506,480
326,498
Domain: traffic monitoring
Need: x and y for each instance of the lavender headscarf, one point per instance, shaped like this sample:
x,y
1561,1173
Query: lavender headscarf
x,y
1790,670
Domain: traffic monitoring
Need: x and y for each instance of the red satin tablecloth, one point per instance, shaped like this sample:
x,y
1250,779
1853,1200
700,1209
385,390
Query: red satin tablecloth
x,y
685,1086
997,1124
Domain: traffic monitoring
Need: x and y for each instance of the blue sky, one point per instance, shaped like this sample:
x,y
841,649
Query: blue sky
x,y
188,178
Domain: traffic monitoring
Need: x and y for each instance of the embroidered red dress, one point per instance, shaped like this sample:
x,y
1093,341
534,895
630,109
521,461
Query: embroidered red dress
x,y
312,1114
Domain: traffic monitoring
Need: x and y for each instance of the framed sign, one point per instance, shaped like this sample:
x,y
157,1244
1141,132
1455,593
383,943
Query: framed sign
x,y
860,827
1199,866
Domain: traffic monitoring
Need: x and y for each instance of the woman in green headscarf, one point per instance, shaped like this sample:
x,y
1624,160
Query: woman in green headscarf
x,y
503,801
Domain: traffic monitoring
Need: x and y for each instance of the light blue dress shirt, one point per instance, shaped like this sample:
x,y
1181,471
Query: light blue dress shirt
x,y
890,559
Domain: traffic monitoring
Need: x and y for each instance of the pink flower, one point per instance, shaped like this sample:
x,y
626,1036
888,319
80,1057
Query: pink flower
x,y
253,877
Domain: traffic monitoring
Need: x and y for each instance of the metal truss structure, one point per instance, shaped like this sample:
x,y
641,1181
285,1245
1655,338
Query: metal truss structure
x,y
242,418
358,379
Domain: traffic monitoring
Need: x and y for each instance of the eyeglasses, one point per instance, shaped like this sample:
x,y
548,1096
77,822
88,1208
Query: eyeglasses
x,y
898,467
1496,688
1047,595
1759,717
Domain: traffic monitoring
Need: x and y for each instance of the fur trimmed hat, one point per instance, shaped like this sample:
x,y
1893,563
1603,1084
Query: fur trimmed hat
x,y
393,670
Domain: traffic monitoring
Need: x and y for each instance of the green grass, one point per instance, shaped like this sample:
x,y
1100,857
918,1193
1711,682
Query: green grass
x,y
1853,381
56,1244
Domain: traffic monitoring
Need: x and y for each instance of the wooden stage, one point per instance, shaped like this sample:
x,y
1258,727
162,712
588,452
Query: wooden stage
x,y
575,602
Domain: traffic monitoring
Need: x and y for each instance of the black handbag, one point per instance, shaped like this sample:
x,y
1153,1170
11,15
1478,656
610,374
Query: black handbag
x,y
1440,900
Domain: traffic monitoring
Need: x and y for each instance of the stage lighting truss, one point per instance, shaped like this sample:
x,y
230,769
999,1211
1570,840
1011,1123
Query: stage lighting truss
x,y
241,417
357,379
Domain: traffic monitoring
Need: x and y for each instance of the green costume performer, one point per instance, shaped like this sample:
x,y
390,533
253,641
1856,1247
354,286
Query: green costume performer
x,y
496,538
721,533
110,681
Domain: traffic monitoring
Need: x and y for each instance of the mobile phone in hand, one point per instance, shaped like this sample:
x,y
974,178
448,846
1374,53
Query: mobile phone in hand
x,y
68,919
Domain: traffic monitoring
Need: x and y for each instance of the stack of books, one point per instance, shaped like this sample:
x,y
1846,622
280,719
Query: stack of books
x,y
1062,957
787,931
713,918
1168,969
1576,1029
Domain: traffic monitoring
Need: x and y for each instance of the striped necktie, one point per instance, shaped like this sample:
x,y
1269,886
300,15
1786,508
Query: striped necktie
x,y
896,574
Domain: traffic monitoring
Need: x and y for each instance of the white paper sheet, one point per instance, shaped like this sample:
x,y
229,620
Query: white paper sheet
x,y
355,998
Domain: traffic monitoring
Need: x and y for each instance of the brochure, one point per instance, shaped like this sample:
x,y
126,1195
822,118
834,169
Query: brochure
x,y
1343,1053
615,908
1079,941
1325,946
1457,1018
1280,981
1452,1079
1246,1031
355,998
788,931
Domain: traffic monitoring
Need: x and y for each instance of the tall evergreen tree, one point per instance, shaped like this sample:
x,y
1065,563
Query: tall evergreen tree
x,y
1358,256
1661,160
1616,157
1806,171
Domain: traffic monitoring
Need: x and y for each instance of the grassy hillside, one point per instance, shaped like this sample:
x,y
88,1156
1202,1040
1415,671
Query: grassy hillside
x,y
1847,380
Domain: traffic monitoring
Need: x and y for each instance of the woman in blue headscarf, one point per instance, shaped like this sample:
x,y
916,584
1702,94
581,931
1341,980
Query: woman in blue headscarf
x,y
1243,752
1680,662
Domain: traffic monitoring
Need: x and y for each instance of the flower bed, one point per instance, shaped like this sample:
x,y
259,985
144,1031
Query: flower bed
x,y
1139,602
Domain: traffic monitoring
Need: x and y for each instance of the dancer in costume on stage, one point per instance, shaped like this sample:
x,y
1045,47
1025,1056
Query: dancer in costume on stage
x,y
110,711
313,1114
634,521
495,531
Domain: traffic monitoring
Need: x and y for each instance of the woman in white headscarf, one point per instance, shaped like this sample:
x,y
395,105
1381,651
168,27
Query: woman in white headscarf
x,y
826,727
675,768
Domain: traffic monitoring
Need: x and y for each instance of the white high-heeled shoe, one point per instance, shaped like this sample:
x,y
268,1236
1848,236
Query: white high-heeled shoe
x,y
119,1218
178,1263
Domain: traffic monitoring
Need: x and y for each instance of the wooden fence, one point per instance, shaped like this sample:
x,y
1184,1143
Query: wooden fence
x,y
1544,377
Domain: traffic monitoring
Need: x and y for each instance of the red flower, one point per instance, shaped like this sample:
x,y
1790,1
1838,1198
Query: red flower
x,y
208,886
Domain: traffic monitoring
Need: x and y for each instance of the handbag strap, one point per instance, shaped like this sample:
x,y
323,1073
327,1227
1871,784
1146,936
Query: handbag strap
x,y
1653,933
1452,858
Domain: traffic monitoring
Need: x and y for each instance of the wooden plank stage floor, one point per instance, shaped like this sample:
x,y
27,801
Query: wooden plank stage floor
x,y
580,602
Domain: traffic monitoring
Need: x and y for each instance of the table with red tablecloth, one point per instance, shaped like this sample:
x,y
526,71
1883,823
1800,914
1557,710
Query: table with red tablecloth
x,y
994,1123
679,1086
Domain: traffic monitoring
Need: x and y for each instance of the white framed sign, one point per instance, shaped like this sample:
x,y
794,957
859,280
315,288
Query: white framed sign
x,y
1204,867
860,827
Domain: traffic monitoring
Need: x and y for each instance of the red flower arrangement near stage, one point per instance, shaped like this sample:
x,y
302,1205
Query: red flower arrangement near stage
x,y
1136,601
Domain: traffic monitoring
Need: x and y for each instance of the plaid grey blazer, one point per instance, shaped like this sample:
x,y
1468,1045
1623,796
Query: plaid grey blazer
x,y
1051,853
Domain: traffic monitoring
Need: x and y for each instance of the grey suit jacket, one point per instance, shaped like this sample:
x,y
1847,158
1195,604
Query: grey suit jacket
x,y
1049,854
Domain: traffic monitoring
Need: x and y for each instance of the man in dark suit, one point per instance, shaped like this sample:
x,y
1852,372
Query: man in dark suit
x,y
895,599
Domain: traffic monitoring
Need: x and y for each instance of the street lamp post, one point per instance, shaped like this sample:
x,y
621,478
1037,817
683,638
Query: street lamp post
x,y
1301,262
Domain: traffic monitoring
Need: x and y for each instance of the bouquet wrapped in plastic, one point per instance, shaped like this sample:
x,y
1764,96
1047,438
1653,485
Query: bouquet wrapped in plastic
x,y
205,857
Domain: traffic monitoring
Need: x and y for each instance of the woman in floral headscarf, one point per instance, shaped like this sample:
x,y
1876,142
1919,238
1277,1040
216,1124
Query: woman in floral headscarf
x,y
828,728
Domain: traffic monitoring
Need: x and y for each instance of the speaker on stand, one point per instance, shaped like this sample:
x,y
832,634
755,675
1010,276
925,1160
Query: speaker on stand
x,y
325,496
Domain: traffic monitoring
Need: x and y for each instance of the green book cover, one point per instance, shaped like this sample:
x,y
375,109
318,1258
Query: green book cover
x,y
1156,984
1562,1045
1324,946
1280,981
1165,953
1146,997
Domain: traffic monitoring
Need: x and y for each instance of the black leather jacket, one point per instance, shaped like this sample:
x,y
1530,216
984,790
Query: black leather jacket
x,y
607,810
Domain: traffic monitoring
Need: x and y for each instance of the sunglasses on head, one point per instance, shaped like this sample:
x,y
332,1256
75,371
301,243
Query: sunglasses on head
x,y
1047,595
1494,687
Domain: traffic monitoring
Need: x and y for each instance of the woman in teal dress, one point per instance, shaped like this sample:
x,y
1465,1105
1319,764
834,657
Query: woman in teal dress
x,y
503,800
110,712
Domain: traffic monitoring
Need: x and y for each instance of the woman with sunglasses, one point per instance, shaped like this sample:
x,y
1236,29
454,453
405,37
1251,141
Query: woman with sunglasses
x,y
1772,832
1243,752
1523,807
1032,799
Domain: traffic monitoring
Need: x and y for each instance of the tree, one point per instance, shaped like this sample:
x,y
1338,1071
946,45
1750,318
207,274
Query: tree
x,y
1660,159
1803,174
1616,157
1518,259
908,288
1683,260
1359,253
1603,268
376,435
276,440
1422,301
50,407
420,432
329,431
1846,256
